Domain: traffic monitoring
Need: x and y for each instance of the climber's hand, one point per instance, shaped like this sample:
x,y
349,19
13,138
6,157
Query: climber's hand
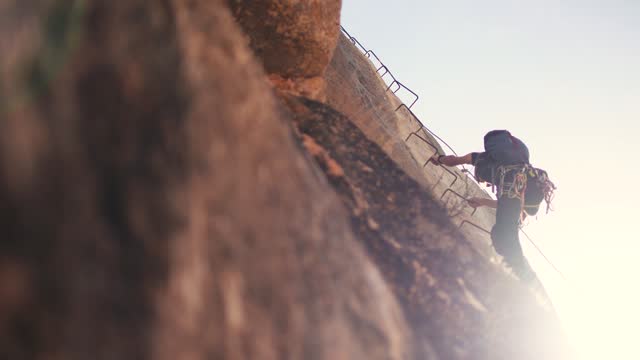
x,y
437,159
478,202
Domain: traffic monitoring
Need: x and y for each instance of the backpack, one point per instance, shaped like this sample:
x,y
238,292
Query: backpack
x,y
505,149
501,148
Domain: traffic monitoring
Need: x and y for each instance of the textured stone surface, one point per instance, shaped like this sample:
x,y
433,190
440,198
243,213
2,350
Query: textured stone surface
x,y
154,204
355,89
459,305
294,39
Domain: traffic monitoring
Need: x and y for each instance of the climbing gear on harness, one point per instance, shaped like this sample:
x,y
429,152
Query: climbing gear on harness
x,y
515,187
540,188
530,185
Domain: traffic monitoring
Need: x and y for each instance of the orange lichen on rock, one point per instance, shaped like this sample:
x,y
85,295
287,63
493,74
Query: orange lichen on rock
x,y
333,168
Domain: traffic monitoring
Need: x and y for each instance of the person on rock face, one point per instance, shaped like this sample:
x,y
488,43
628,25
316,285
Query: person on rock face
x,y
520,189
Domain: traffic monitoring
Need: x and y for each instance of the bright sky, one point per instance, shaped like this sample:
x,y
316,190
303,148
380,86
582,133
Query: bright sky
x,y
564,76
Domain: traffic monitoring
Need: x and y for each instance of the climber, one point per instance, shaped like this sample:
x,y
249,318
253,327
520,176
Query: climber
x,y
520,189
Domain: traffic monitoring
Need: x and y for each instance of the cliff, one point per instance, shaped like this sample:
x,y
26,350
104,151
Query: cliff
x,y
231,180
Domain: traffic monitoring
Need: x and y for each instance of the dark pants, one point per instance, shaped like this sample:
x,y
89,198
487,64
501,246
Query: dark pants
x,y
504,233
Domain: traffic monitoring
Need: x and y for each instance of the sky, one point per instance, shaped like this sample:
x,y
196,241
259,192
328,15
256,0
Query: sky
x,y
563,76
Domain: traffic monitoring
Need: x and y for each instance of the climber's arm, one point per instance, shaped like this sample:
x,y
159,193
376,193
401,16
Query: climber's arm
x,y
477,202
452,160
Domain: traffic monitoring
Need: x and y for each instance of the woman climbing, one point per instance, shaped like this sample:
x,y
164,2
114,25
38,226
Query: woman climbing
x,y
520,189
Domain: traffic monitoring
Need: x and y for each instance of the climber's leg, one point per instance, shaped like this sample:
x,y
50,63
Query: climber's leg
x,y
504,235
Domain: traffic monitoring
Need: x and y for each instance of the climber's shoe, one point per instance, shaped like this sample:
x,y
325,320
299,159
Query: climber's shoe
x,y
525,274
522,270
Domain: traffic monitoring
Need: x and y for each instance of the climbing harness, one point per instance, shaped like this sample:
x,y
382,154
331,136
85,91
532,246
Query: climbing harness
x,y
516,188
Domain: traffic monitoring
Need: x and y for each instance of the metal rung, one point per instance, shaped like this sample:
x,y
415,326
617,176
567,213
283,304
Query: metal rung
x,y
460,196
474,225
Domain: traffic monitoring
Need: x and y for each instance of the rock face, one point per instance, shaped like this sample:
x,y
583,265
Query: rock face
x,y
294,39
160,201
518,323
355,88
155,205
459,305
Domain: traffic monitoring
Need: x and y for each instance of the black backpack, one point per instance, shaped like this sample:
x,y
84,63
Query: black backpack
x,y
500,148
505,149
